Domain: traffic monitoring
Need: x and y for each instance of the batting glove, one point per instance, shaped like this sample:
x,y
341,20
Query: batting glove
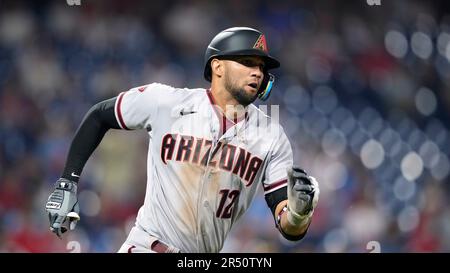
x,y
303,195
62,206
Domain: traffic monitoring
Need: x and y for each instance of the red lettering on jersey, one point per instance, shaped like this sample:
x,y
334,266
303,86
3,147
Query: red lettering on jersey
x,y
217,148
167,147
244,165
241,163
227,157
184,148
206,155
227,212
252,170
198,147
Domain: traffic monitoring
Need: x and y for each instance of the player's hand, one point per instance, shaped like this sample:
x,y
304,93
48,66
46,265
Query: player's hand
x,y
62,207
303,195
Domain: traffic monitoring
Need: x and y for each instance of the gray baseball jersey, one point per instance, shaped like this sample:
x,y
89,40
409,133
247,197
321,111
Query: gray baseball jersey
x,y
203,169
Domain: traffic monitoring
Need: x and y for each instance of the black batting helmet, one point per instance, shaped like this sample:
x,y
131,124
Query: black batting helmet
x,y
242,41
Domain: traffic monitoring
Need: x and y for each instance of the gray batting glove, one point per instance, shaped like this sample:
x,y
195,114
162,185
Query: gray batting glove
x,y
303,195
62,206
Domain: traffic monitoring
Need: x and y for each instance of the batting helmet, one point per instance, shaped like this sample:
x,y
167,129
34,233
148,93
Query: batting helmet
x,y
242,41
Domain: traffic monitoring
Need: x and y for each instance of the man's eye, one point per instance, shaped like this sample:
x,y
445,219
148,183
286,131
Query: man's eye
x,y
251,63
247,62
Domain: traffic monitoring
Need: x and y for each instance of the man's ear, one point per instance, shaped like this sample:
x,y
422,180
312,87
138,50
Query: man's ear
x,y
217,67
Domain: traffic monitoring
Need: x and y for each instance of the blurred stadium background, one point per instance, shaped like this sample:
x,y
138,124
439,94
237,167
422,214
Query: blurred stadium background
x,y
364,93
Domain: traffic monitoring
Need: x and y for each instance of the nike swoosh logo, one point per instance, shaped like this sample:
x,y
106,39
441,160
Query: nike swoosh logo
x,y
183,113
74,175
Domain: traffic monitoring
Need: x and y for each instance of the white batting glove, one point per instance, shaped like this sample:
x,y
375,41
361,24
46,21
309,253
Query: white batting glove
x,y
303,196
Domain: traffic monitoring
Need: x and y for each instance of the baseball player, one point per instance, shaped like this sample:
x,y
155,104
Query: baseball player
x,y
209,151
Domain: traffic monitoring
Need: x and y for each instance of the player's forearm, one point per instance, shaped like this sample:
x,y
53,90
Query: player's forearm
x,y
289,229
99,119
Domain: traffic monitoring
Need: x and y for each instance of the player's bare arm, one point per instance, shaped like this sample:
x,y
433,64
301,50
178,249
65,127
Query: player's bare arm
x,y
295,230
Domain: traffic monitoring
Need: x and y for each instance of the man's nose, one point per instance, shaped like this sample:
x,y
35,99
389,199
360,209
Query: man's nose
x,y
257,72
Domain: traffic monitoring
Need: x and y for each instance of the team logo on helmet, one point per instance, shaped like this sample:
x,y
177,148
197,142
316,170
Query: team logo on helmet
x,y
261,43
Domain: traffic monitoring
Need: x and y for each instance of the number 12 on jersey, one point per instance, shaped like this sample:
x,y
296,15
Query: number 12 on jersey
x,y
227,211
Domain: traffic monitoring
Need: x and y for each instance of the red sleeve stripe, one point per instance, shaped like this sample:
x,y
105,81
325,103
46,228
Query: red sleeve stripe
x,y
118,111
275,186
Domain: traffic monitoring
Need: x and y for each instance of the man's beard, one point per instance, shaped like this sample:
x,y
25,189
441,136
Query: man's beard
x,y
239,94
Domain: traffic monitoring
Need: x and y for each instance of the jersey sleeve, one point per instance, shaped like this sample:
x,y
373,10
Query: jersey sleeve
x,y
138,107
280,160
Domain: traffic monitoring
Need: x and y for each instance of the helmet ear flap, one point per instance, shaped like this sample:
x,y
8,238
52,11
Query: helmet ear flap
x,y
266,86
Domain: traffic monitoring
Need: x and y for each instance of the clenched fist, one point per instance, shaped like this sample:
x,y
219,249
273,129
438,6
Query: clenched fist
x,y
303,195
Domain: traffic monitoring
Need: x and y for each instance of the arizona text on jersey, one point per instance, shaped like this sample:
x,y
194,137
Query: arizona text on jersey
x,y
201,164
